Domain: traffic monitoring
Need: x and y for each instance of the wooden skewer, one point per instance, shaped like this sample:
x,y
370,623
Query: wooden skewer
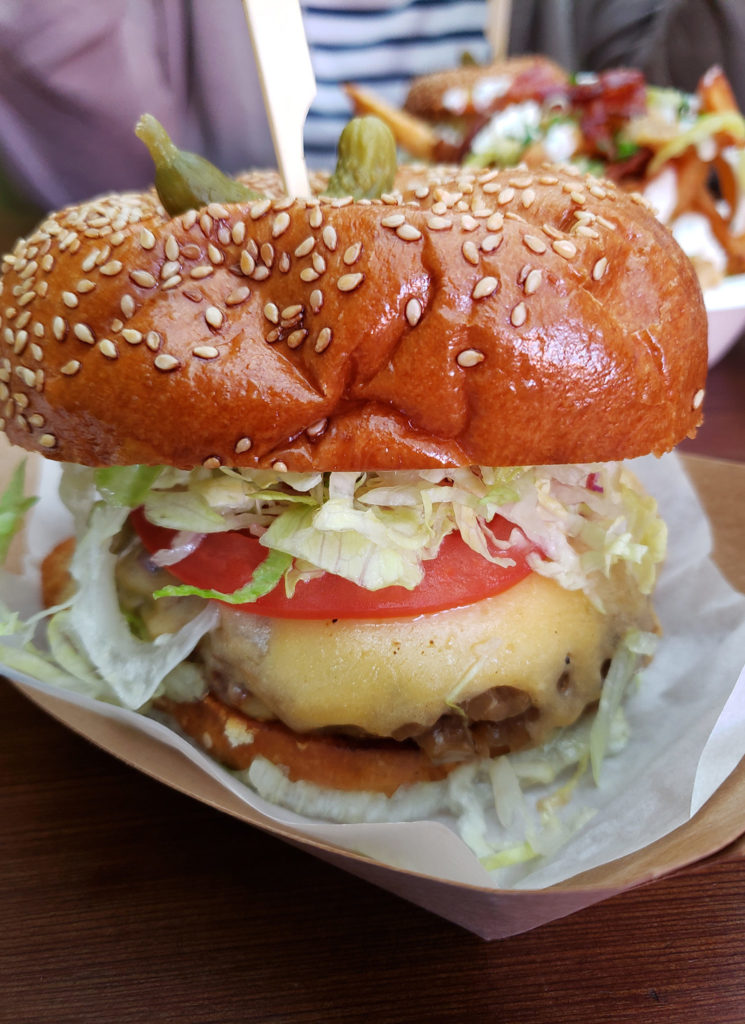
x,y
287,82
498,17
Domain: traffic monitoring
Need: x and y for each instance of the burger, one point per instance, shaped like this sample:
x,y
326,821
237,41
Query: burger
x,y
348,476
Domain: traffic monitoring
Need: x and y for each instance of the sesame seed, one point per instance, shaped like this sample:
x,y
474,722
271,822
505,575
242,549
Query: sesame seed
x,y
470,253
329,237
83,333
37,352
309,275
468,223
528,197
127,305
279,466
315,217
205,223
564,248
586,231
532,282
408,233
248,264
470,357
296,338
323,340
191,251
551,231
305,247
267,253
164,361
535,244
258,209
143,278
273,335
506,196
169,268
189,219
217,210
212,462
394,220
413,312
36,419
132,336
291,312
698,398
495,221
319,263
237,296
153,340
238,232
352,254
519,315
20,400
213,316
108,348
111,269
600,268
316,300
271,312
47,262
348,282
48,441
484,287
69,299
20,342
214,255
316,429
59,328
199,273
242,445
261,273
281,224
147,239
490,243
206,352
597,191
607,223
435,223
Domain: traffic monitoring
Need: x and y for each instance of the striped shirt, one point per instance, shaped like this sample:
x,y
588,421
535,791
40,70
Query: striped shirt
x,y
381,45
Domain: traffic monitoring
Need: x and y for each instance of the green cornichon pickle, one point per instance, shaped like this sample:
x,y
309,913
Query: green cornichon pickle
x,y
186,181
366,160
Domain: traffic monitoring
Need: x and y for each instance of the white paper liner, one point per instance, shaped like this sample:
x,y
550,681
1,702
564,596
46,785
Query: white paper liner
x,y
687,720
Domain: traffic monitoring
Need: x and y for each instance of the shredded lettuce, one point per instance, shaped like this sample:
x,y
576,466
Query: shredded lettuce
x,y
378,529
13,507
266,576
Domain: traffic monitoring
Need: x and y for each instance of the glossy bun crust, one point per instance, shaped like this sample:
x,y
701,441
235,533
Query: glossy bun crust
x,y
475,90
494,318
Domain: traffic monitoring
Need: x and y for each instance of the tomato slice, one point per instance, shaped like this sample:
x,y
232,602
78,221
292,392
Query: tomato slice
x,y
457,576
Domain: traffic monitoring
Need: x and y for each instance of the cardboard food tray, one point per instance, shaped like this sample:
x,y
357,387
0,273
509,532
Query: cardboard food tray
x,y
488,912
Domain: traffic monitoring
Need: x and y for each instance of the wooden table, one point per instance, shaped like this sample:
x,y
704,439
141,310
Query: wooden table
x,y
123,901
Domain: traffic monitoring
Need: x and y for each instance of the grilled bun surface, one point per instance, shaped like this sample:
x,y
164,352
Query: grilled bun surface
x,y
495,318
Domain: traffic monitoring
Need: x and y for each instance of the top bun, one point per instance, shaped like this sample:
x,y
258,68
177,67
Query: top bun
x,y
493,318
476,90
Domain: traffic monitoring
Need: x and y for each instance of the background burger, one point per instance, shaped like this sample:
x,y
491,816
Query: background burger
x,y
347,472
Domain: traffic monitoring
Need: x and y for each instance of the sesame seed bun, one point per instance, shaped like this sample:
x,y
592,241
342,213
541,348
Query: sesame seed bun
x,y
476,90
494,318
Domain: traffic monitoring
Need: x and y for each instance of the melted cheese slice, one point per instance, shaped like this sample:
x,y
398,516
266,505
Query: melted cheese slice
x,y
380,676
